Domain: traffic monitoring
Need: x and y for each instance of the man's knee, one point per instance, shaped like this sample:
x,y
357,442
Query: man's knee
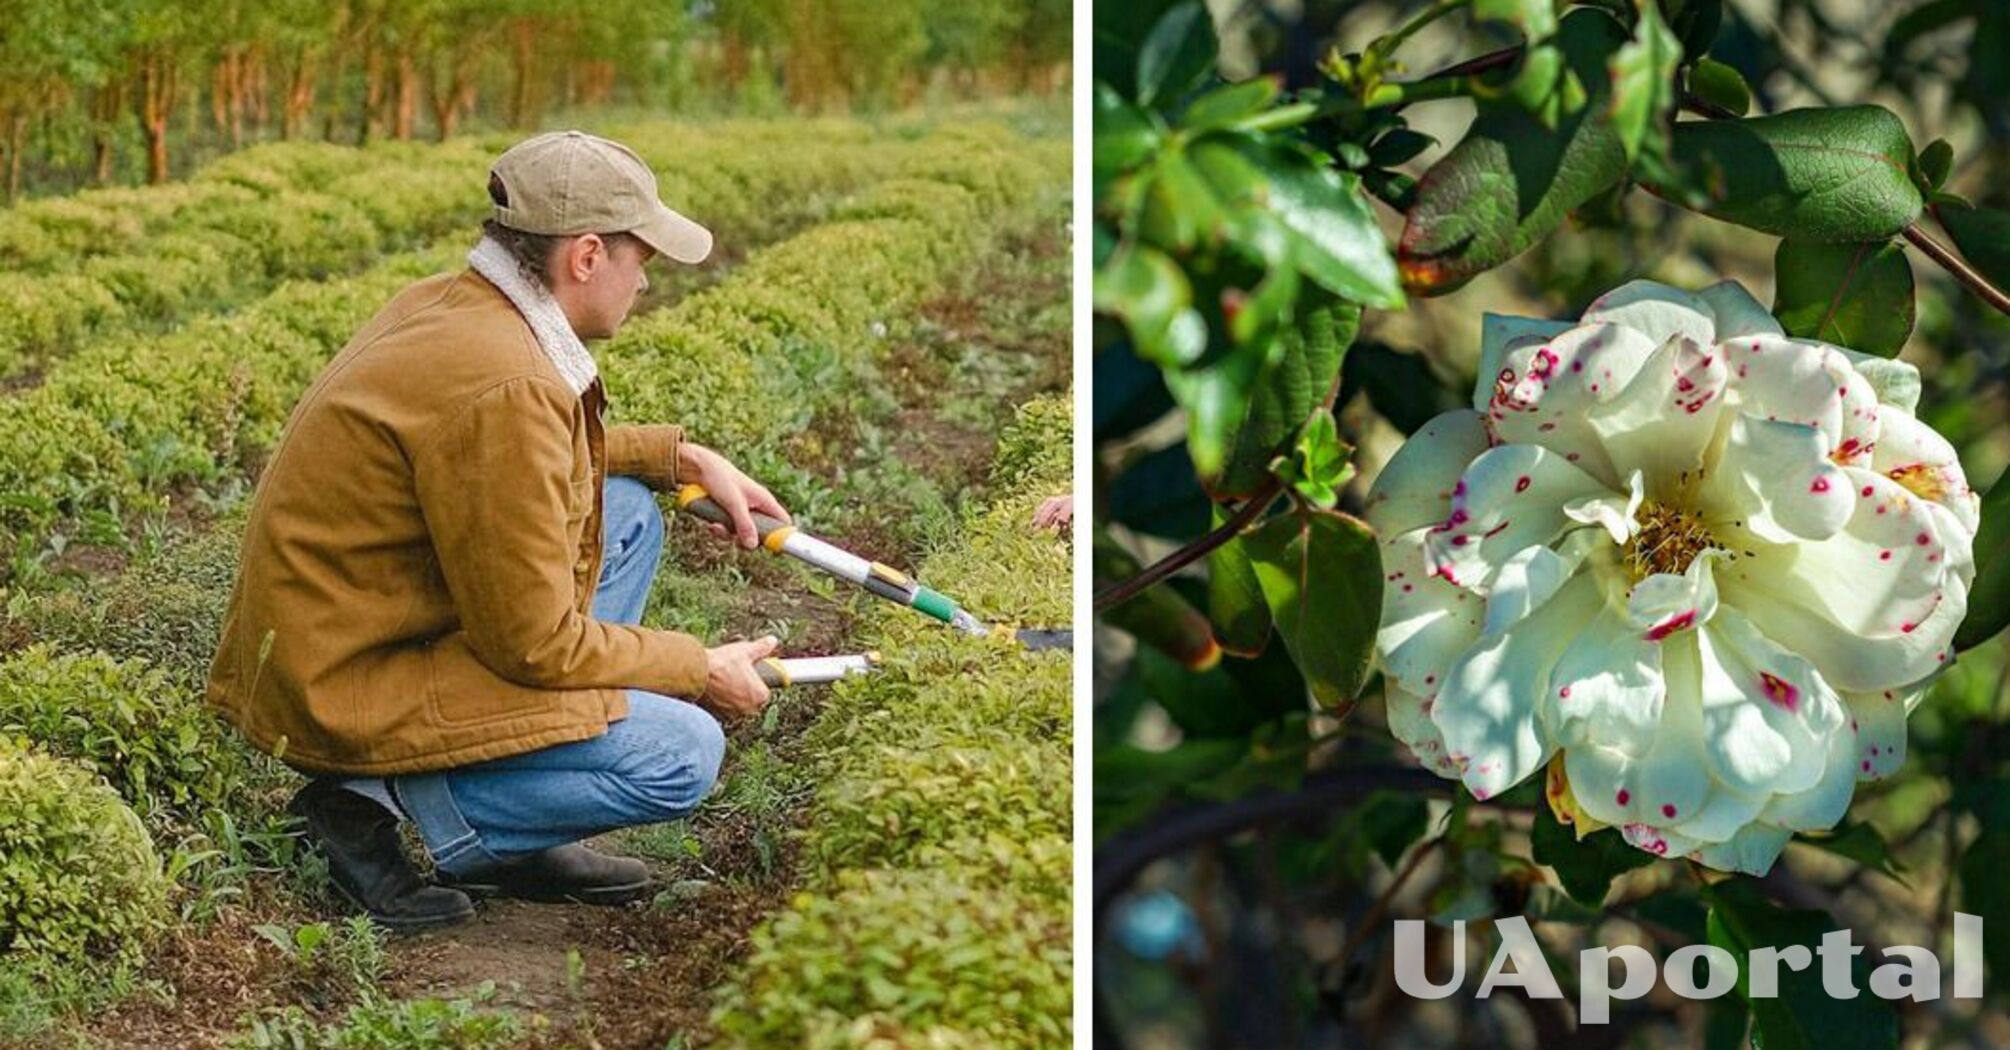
x,y
678,765
633,517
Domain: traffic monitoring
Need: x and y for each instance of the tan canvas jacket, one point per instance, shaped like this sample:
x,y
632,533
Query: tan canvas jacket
x,y
423,548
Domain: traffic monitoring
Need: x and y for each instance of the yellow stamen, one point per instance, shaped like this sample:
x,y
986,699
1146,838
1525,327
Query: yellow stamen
x,y
1668,540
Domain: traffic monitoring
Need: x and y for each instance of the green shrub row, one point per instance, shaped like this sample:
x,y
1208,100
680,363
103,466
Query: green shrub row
x,y
119,423
130,259
936,910
78,874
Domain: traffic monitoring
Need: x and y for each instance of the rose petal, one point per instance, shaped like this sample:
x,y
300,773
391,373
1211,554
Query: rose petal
x,y
1414,488
1879,718
1753,850
1487,709
1545,391
1409,718
1912,454
1662,422
1607,687
1736,313
1509,499
1802,381
1776,478
1426,622
1766,712
1819,807
1658,311
1497,332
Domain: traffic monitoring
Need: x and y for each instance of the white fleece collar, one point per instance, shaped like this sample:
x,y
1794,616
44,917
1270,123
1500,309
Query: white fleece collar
x,y
547,321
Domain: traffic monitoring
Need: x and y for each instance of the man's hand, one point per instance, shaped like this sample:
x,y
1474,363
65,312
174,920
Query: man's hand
x,y
736,493
732,686
1056,512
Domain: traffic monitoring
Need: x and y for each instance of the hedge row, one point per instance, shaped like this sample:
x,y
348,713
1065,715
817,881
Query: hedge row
x,y
121,422
114,260
936,911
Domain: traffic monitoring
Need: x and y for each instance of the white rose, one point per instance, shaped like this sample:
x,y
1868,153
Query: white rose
x,y
1705,567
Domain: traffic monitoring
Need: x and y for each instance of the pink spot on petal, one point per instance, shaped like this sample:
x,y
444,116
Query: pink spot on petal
x,y
1670,626
1908,628
1563,692
1780,691
1866,491
1884,556
1668,810
1866,765
1624,796
1922,539
1820,485
1521,483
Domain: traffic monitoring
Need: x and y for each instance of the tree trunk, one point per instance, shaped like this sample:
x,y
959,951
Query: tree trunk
x,y
373,95
408,97
523,39
153,104
105,106
299,98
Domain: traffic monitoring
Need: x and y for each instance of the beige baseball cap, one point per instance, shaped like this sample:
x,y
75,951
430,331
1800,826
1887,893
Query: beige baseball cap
x,y
569,182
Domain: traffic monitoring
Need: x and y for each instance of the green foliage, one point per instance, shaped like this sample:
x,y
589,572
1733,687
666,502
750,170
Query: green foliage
x,y
409,1024
1511,181
1586,866
77,873
1855,295
155,741
1318,570
1827,175
1287,393
1802,1016
1989,597
918,957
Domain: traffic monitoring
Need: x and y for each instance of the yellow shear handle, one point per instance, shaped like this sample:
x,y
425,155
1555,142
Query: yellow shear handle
x,y
693,499
773,672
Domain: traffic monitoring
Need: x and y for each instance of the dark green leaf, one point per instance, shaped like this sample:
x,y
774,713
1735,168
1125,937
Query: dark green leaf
x,y
1725,1023
1311,356
1177,53
1983,235
1543,85
1585,867
1205,703
1322,578
1132,782
1510,182
1643,85
1234,599
1935,161
1823,175
1228,104
1158,495
1398,147
1128,393
1802,1016
1216,398
1400,386
1981,871
1180,206
1989,598
1335,238
1695,23
1319,462
1721,86
1858,842
1854,295
1393,821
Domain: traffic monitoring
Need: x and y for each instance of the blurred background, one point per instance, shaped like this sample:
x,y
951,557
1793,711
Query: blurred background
x,y
110,91
1248,867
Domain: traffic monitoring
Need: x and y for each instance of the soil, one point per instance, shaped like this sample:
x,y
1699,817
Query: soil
x,y
645,973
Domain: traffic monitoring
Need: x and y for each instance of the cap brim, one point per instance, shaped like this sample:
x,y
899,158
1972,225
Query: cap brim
x,y
674,235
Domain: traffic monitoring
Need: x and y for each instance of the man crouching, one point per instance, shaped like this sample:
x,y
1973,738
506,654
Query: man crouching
x,y
447,557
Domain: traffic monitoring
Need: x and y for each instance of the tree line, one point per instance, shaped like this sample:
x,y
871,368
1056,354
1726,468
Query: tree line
x,y
103,90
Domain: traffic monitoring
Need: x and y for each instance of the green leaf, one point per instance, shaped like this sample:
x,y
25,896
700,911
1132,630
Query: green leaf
x,y
1543,84
1859,842
1318,464
1853,295
1983,235
1216,398
1989,597
1725,1023
1177,53
1312,355
1126,136
1322,578
1720,85
1234,598
1643,86
1510,182
1150,294
1696,23
1802,1016
1335,239
1158,617
1935,161
1825,175
1587,866
1399,146
1180,206
1981,870
1227,105
1392,821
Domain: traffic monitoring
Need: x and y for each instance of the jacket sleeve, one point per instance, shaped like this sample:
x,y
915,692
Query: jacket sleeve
x,y
494,484
646,452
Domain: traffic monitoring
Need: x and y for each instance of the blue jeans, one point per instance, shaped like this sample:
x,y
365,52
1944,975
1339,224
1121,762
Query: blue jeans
x,y
654,765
